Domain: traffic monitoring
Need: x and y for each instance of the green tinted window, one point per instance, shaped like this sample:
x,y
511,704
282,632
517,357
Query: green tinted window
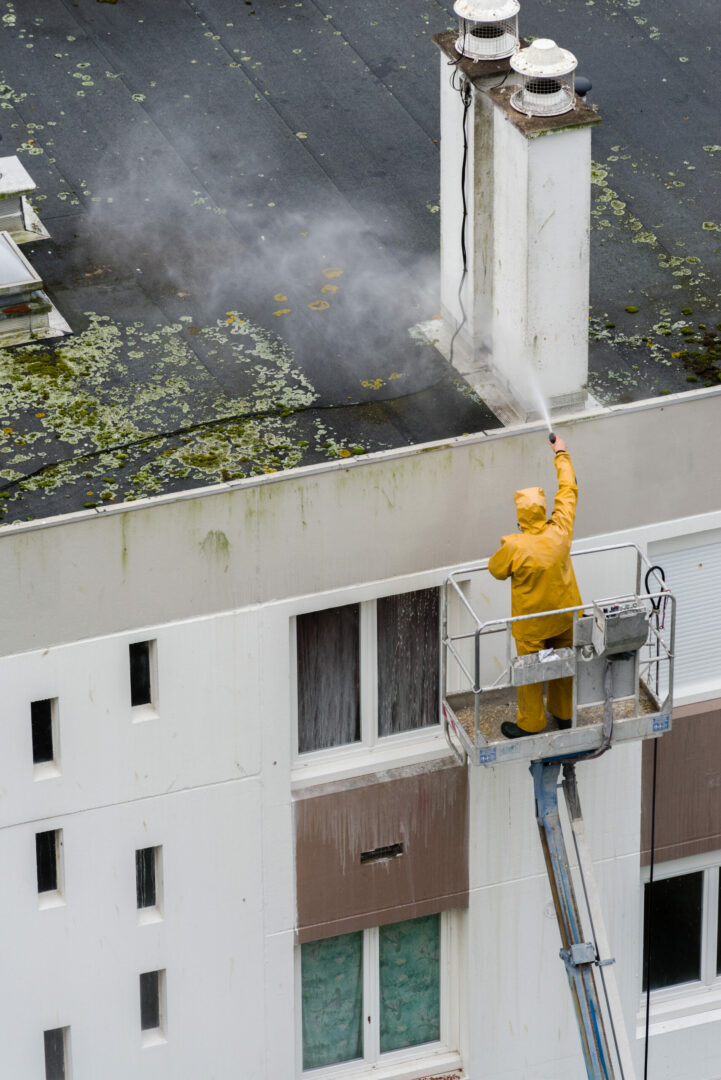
x,y
409,968
332,978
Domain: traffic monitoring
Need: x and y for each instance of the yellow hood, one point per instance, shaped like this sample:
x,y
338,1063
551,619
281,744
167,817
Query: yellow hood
x,y
530,509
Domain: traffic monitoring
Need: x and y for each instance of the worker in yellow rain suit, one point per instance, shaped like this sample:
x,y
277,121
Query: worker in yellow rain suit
x,y
539,564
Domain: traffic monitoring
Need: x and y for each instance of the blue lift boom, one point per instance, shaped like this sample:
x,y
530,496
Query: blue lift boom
x,y
581,957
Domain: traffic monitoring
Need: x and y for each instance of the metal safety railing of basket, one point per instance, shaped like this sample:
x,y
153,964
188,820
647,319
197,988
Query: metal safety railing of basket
x,y
653,663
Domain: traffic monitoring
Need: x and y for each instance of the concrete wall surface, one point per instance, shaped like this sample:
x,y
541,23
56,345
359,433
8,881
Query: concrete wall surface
x,y
205,731
313,530
525,1025
78,964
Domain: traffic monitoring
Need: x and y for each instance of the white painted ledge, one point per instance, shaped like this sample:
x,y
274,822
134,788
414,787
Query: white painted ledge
x,y
141,713
46,770
683,1009
52,899
153,1037
347,762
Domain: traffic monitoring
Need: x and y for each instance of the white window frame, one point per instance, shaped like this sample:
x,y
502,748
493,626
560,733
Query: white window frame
x,y
699,1001
371,745
412,1061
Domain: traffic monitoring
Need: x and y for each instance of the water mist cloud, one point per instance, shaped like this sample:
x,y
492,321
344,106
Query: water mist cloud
x,y
345,289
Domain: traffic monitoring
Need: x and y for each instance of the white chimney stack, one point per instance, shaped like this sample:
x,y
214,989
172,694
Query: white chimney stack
x,y
517,317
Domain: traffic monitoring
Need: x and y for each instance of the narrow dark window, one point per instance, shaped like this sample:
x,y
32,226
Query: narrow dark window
x,y
408,656
41,717
675,938
145,878
55,1053
150,1000
46,857
328,647
718,938
140,681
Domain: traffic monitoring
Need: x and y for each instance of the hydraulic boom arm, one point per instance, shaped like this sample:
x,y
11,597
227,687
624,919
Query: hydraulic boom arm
x,y
579,955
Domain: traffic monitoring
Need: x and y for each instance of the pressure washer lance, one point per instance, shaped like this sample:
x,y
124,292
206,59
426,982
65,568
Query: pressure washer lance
x,y
552,438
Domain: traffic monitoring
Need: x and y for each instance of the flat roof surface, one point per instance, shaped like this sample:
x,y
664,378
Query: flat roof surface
x,y
243,201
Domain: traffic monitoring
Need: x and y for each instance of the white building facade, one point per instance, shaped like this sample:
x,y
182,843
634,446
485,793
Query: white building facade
x,y
151,849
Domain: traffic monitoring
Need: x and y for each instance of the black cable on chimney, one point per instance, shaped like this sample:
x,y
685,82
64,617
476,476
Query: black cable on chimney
x,y
465,92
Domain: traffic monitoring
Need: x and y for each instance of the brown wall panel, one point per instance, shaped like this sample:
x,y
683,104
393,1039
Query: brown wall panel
x,y
423,808
688,785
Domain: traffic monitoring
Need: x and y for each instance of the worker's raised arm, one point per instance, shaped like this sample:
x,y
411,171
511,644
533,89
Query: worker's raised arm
x,y
564,505
500,564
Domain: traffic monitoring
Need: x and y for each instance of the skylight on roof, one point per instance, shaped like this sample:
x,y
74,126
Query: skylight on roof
x,y
16,273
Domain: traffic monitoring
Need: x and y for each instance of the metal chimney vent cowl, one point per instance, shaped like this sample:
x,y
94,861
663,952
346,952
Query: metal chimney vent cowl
x,y
548,79
487,31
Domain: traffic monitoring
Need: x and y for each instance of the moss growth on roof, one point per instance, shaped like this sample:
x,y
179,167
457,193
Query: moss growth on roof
x,y
129,411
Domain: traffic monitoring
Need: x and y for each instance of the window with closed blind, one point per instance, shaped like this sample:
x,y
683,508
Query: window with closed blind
x,y
366,672
692,566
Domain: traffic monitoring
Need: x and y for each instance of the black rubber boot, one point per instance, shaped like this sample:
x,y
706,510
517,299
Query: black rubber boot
x,y
563,725
513,731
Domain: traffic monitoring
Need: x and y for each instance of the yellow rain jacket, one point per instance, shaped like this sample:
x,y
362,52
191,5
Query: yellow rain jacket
x,y
538,558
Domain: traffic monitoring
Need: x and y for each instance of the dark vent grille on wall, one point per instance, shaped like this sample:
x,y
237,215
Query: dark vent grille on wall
x,y
390,851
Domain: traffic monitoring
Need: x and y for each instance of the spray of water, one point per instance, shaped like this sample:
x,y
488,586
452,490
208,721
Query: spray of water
x,y
540,400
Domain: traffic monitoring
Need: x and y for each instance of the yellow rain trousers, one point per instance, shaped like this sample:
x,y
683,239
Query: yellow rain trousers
x,y
538,562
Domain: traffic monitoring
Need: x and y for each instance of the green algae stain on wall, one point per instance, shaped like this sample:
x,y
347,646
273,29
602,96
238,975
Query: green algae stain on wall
x,y
124,541
217,547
